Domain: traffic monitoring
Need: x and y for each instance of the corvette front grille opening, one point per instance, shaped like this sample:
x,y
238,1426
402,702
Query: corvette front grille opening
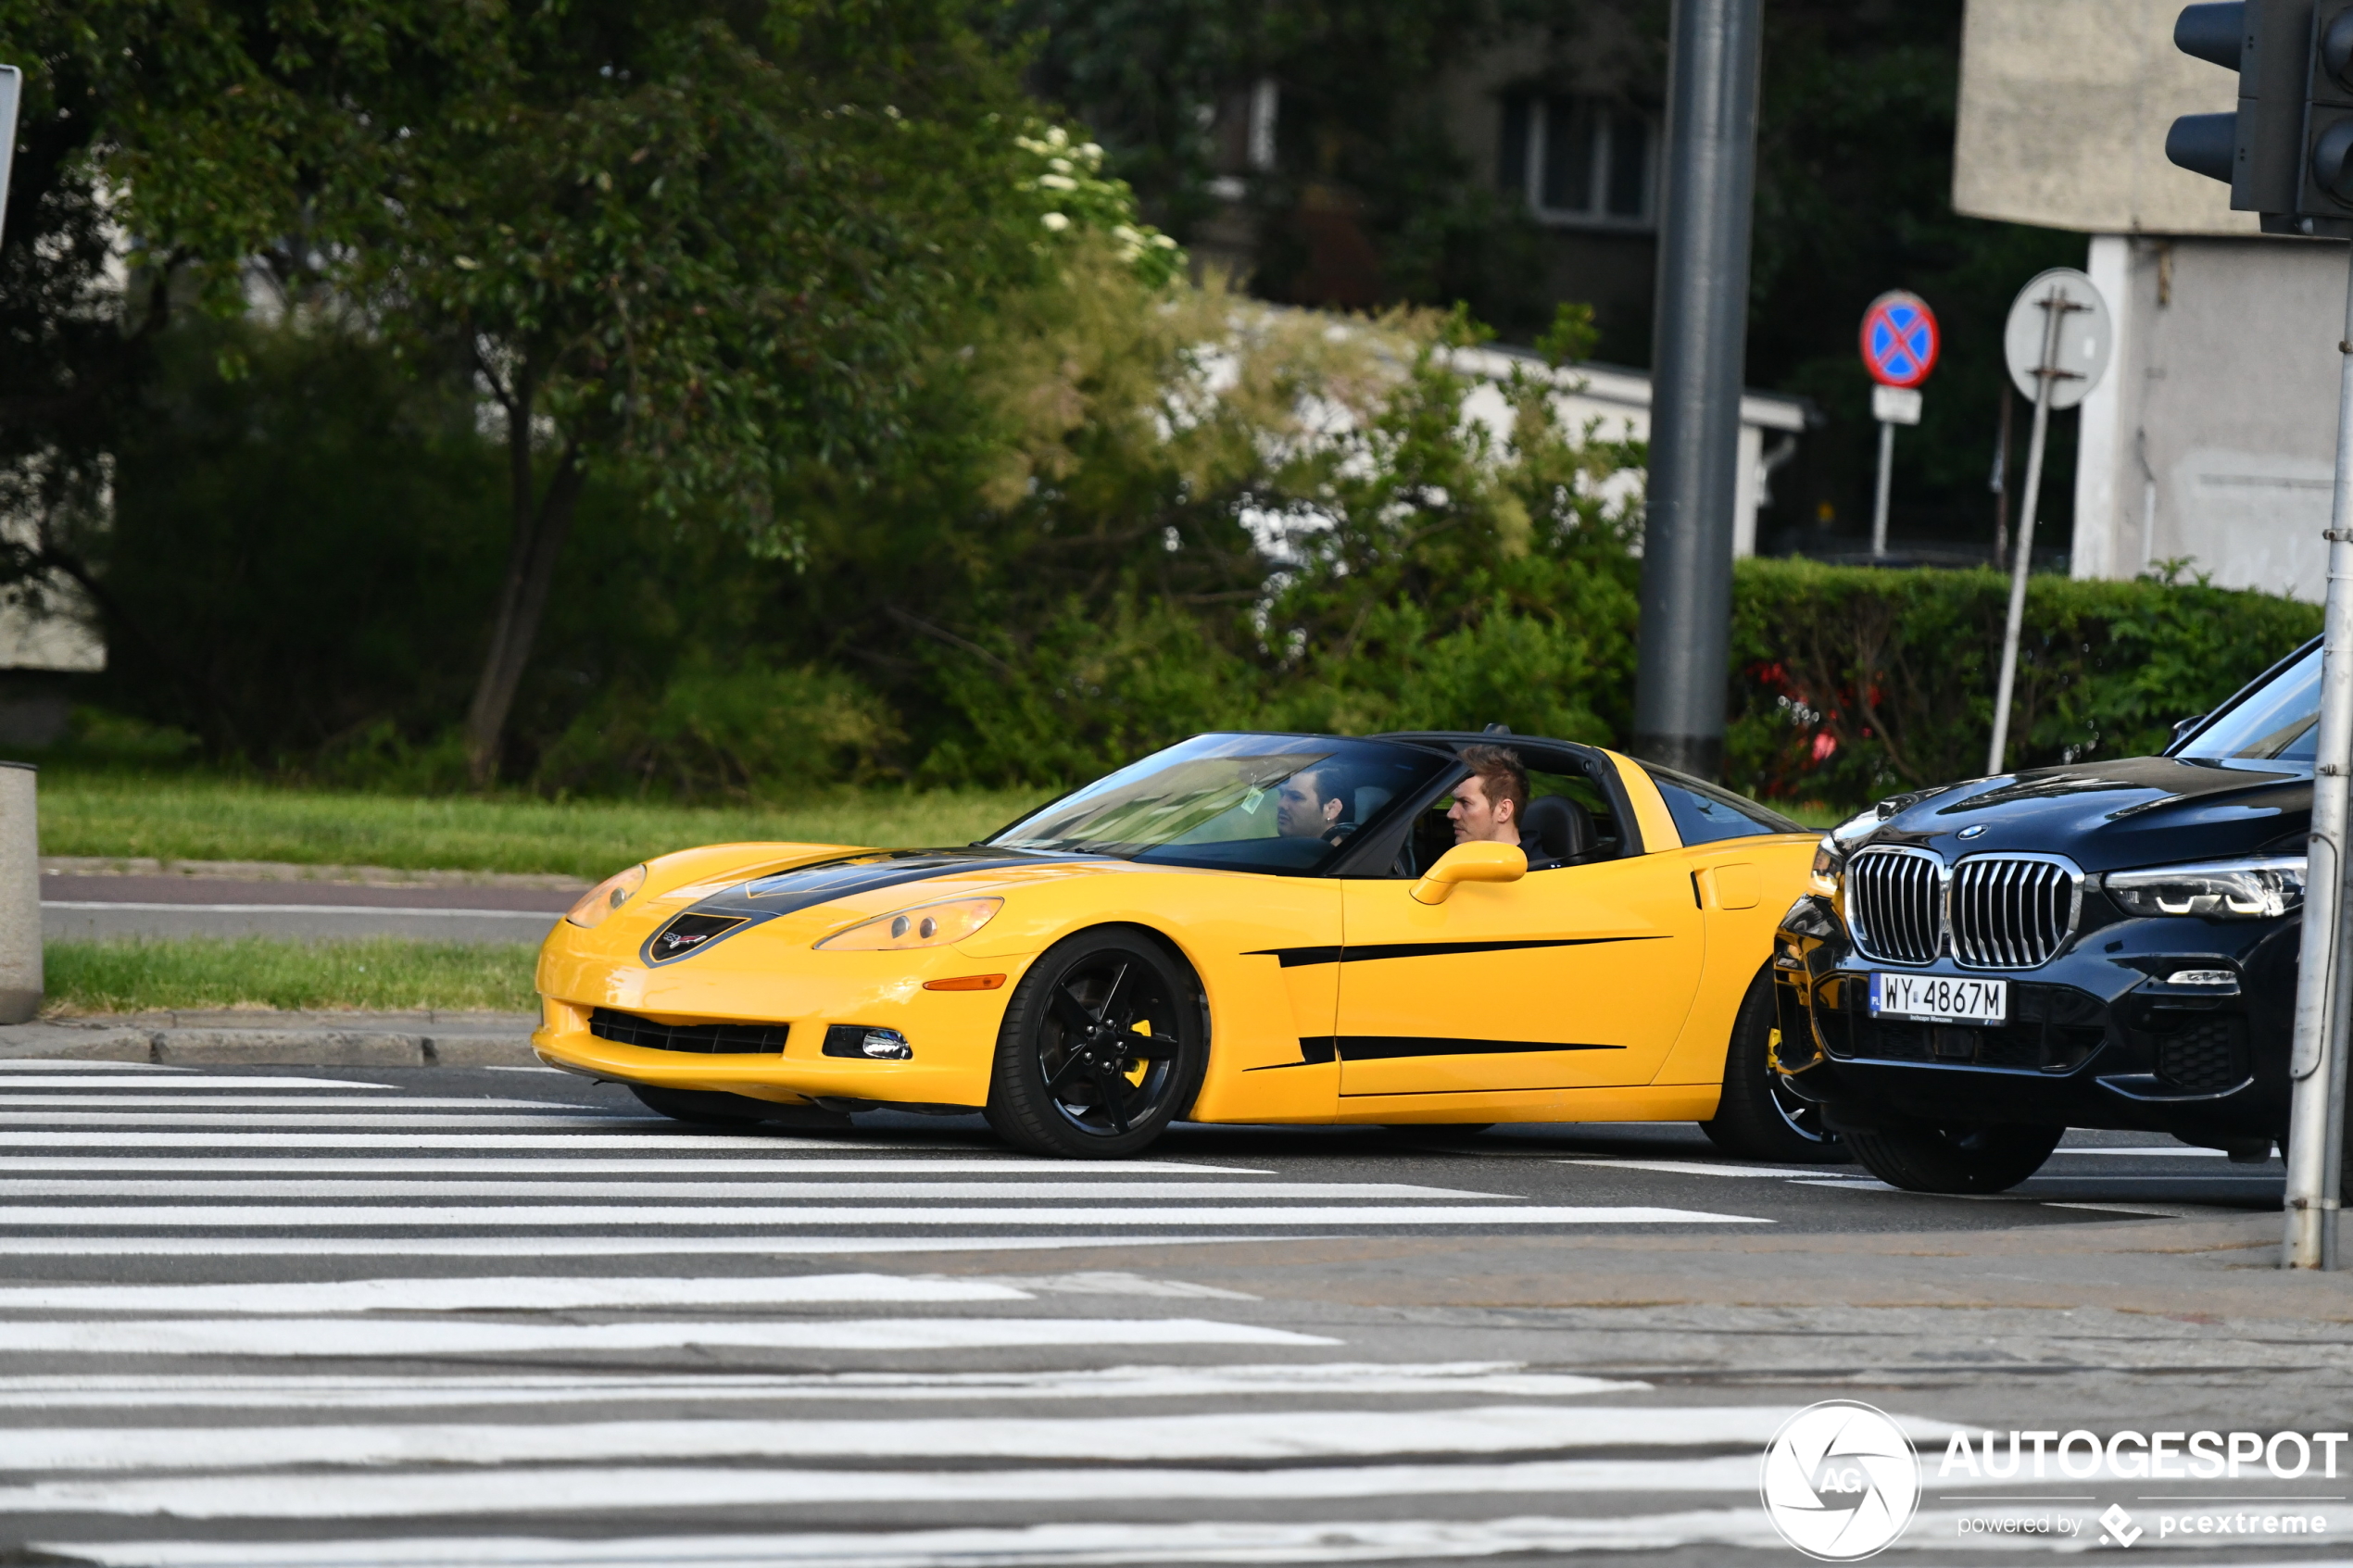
x,y
706,1040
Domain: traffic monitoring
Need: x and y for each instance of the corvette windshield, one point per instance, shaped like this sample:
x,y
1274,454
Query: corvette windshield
x,y
1285,804
2278,722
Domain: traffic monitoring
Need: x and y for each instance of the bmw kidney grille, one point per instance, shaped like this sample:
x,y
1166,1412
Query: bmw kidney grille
x,y
1995,911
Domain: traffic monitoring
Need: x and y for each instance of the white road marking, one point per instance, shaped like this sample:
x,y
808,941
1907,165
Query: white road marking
x,y
1238,1437
497,1293
571,1490
425,1184
649,1136
1696,1167
980,1161
377,1337
1448,1379
202,1082
288,1102
2179,1151
512,1246
545,917
1113,1281
240,1120
1030,1546
420,1216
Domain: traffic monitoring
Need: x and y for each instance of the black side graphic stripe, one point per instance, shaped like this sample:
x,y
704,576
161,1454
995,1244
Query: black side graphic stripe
x,y
1292,958
1315,1050
1390,1048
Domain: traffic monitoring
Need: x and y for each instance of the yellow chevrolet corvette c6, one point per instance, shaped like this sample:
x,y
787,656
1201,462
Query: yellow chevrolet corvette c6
x,y
1245,927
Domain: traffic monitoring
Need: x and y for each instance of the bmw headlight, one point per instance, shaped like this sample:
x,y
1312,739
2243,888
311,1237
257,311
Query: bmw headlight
x,y
605,898
930,925
2258,888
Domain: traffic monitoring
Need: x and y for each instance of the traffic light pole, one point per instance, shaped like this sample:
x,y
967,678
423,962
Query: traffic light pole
x,y
2316,1062
1696,390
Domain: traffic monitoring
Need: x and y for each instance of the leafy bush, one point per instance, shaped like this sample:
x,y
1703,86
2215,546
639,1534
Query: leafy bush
x,y
713,734
1851,683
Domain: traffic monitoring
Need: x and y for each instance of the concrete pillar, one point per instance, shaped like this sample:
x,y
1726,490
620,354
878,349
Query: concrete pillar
x,y
19,894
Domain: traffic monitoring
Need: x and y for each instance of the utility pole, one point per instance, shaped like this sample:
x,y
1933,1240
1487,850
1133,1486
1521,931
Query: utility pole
x,y
2286,152
1698,364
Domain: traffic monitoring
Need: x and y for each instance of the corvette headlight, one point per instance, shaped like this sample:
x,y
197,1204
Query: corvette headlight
x,y
1830,864
605,898
2259,887
929,925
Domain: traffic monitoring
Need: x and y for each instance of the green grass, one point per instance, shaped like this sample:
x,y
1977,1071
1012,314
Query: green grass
x,y
387,975
190,817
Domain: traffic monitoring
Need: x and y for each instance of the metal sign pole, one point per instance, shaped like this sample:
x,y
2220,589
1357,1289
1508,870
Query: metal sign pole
x,y
2316,1062
2054,307
1886,464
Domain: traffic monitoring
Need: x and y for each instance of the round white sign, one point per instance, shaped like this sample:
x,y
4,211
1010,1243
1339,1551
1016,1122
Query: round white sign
x,y
1841,1481
2086,337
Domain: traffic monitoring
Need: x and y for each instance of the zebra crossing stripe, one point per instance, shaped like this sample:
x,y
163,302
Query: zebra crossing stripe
x,y
511,1247
283,1392
1237,1437
292,1102
1248,1541
251,1135
413,1216
573,1490
429,1187
200,1083
980,1161
379,1338
547,1293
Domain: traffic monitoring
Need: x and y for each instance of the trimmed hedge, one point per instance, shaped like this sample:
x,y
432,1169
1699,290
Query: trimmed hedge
x,y
1853,683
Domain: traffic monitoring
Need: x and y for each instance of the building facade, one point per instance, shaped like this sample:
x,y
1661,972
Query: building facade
x,y
2211,443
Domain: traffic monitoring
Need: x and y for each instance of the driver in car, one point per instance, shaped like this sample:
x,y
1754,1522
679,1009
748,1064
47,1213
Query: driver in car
x,y
1488,805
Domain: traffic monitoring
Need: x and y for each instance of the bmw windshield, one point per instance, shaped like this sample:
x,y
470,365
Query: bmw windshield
x,y
1285,804
2278,721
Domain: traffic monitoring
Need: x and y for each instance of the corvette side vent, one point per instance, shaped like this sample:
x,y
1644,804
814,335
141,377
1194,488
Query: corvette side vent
x,y
707,1039
2013,912
1895,905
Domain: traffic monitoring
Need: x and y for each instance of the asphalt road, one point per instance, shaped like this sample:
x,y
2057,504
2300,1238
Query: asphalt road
x,y
83,909
271,1317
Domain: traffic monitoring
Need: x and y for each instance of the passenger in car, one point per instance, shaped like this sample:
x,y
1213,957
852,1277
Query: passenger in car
x,y
1306,807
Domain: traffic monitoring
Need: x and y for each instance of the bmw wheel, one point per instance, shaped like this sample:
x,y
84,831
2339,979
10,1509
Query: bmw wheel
x,y
1102,1045
1759,1117
1962,1161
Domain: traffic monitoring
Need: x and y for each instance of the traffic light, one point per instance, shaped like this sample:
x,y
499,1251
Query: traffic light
x,y
2287,152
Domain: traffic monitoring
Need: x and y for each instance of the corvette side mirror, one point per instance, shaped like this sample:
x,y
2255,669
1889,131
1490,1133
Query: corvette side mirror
x,y
1470,862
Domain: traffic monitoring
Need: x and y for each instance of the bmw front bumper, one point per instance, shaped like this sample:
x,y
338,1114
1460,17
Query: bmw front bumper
x,y
2098,1036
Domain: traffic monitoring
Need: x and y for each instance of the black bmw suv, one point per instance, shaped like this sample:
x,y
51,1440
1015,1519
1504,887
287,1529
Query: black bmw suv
x,y
1980,966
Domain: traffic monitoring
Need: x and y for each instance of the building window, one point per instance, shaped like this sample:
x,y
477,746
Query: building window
x,y
1578,161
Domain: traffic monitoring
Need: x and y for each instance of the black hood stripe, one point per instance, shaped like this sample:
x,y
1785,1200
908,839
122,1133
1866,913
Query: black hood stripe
x,y
763,898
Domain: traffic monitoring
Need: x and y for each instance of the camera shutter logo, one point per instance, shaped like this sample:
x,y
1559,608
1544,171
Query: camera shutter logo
x,y
1841,1481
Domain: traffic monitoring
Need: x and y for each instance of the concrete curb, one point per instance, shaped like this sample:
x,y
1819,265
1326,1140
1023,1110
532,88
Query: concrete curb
x,y
293,1040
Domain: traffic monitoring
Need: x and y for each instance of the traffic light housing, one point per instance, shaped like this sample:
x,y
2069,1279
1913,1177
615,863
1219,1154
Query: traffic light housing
x,y
2287,151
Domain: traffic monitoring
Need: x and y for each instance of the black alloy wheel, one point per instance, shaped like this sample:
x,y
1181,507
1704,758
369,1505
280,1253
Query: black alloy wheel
x,y
1965,1160
1102,1045
1760,1117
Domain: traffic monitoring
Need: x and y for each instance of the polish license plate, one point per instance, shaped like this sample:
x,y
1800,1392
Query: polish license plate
x,y
1940,999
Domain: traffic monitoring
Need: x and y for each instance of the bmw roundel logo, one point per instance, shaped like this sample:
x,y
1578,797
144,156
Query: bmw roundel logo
x,y
1974,830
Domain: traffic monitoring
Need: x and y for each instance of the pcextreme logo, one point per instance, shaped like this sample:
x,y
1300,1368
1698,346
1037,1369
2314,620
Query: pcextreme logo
x,y
1841,1481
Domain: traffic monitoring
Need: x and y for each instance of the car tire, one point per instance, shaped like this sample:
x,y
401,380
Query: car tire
x,y
1759,1117
711,1108
1961,1160
1061,1048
